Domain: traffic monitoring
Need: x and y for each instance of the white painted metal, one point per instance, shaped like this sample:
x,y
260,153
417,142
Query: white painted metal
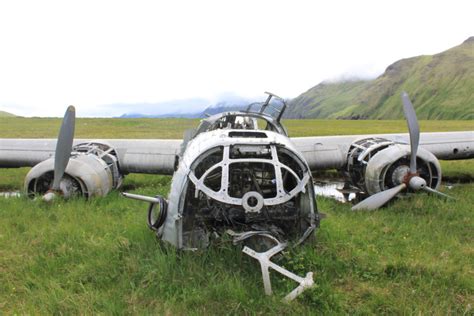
x,y
135,155
265,264
171,231
159,156
220,138
141,198
330,152
378,199
93,174
379,163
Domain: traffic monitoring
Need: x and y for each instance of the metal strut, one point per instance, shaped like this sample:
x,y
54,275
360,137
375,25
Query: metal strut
x,y
265,263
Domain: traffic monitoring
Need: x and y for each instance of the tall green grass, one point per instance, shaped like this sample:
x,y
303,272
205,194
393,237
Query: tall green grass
x,y
99,128
97,256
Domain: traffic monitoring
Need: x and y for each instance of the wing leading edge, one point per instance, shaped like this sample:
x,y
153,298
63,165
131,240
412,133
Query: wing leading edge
x,y
160,156
330,152
135,155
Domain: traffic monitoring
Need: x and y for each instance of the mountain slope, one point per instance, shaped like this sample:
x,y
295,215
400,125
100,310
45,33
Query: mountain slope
x,y
441,86
222,106
326,100
6,114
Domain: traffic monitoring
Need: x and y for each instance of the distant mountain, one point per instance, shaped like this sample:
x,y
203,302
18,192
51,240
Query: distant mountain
x,y
219,107
441,86
6,114
224,107
169,115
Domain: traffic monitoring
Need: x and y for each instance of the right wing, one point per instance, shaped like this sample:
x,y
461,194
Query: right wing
x,y
331,152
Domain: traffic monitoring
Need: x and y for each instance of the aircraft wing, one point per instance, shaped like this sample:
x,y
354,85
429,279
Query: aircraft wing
x,y
158,156
135,155
330,152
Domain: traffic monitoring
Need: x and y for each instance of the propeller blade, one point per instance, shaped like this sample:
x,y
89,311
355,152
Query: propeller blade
x,y
64,145
377,200
413,128
430,190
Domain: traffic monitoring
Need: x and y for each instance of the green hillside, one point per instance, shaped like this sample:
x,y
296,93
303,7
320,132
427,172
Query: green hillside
x,y
441,86
326,100
6,114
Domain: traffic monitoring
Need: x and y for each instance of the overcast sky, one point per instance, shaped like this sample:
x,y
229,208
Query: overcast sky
x,y
96,53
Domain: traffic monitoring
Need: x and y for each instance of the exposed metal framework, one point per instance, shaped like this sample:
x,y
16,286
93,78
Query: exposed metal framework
x,y
222,195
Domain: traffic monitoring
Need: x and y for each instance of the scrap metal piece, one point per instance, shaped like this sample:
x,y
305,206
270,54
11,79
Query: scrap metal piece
x,y
265,263
141,197
252,202
239,237
155,221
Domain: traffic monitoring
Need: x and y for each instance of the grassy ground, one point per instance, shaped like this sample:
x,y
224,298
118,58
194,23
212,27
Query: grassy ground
x,y
174,128
97,256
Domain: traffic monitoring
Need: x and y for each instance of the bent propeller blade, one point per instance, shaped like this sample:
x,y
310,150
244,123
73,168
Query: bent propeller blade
x,y
64,145
413,128
433,191
377,200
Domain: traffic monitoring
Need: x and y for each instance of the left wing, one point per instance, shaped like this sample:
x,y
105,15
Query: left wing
x,y
154,156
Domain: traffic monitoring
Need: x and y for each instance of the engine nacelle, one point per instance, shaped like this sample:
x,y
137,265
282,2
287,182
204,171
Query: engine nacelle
x,y
377,164
92,171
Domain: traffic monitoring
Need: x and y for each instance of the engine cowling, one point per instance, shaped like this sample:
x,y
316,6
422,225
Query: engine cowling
x,y
92,171
377,164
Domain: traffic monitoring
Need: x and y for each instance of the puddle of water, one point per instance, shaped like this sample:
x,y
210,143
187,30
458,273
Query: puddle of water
x,y
332,189
10,194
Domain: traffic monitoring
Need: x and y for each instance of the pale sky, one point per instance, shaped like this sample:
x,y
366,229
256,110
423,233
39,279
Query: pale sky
x,y
96,53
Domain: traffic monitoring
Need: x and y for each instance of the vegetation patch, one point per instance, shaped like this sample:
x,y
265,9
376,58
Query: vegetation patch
x,y
98,256
440,87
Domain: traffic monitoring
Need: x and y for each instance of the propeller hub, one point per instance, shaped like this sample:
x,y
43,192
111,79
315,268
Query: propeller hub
x,y
400,174
417,183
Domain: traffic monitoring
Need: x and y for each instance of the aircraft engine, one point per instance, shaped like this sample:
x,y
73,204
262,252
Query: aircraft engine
x,y
92,171
377,164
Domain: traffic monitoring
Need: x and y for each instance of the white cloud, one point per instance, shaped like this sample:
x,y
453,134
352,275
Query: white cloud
x,y
91,53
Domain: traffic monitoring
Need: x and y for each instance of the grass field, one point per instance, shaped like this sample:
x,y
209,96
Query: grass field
x,y
97,256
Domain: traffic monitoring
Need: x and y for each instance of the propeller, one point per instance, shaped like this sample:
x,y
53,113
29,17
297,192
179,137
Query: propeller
x,y
63,150
413,129
377,200
411,180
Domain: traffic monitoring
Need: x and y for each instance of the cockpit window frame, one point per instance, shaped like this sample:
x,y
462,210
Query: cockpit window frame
x,y
223,196
209,123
